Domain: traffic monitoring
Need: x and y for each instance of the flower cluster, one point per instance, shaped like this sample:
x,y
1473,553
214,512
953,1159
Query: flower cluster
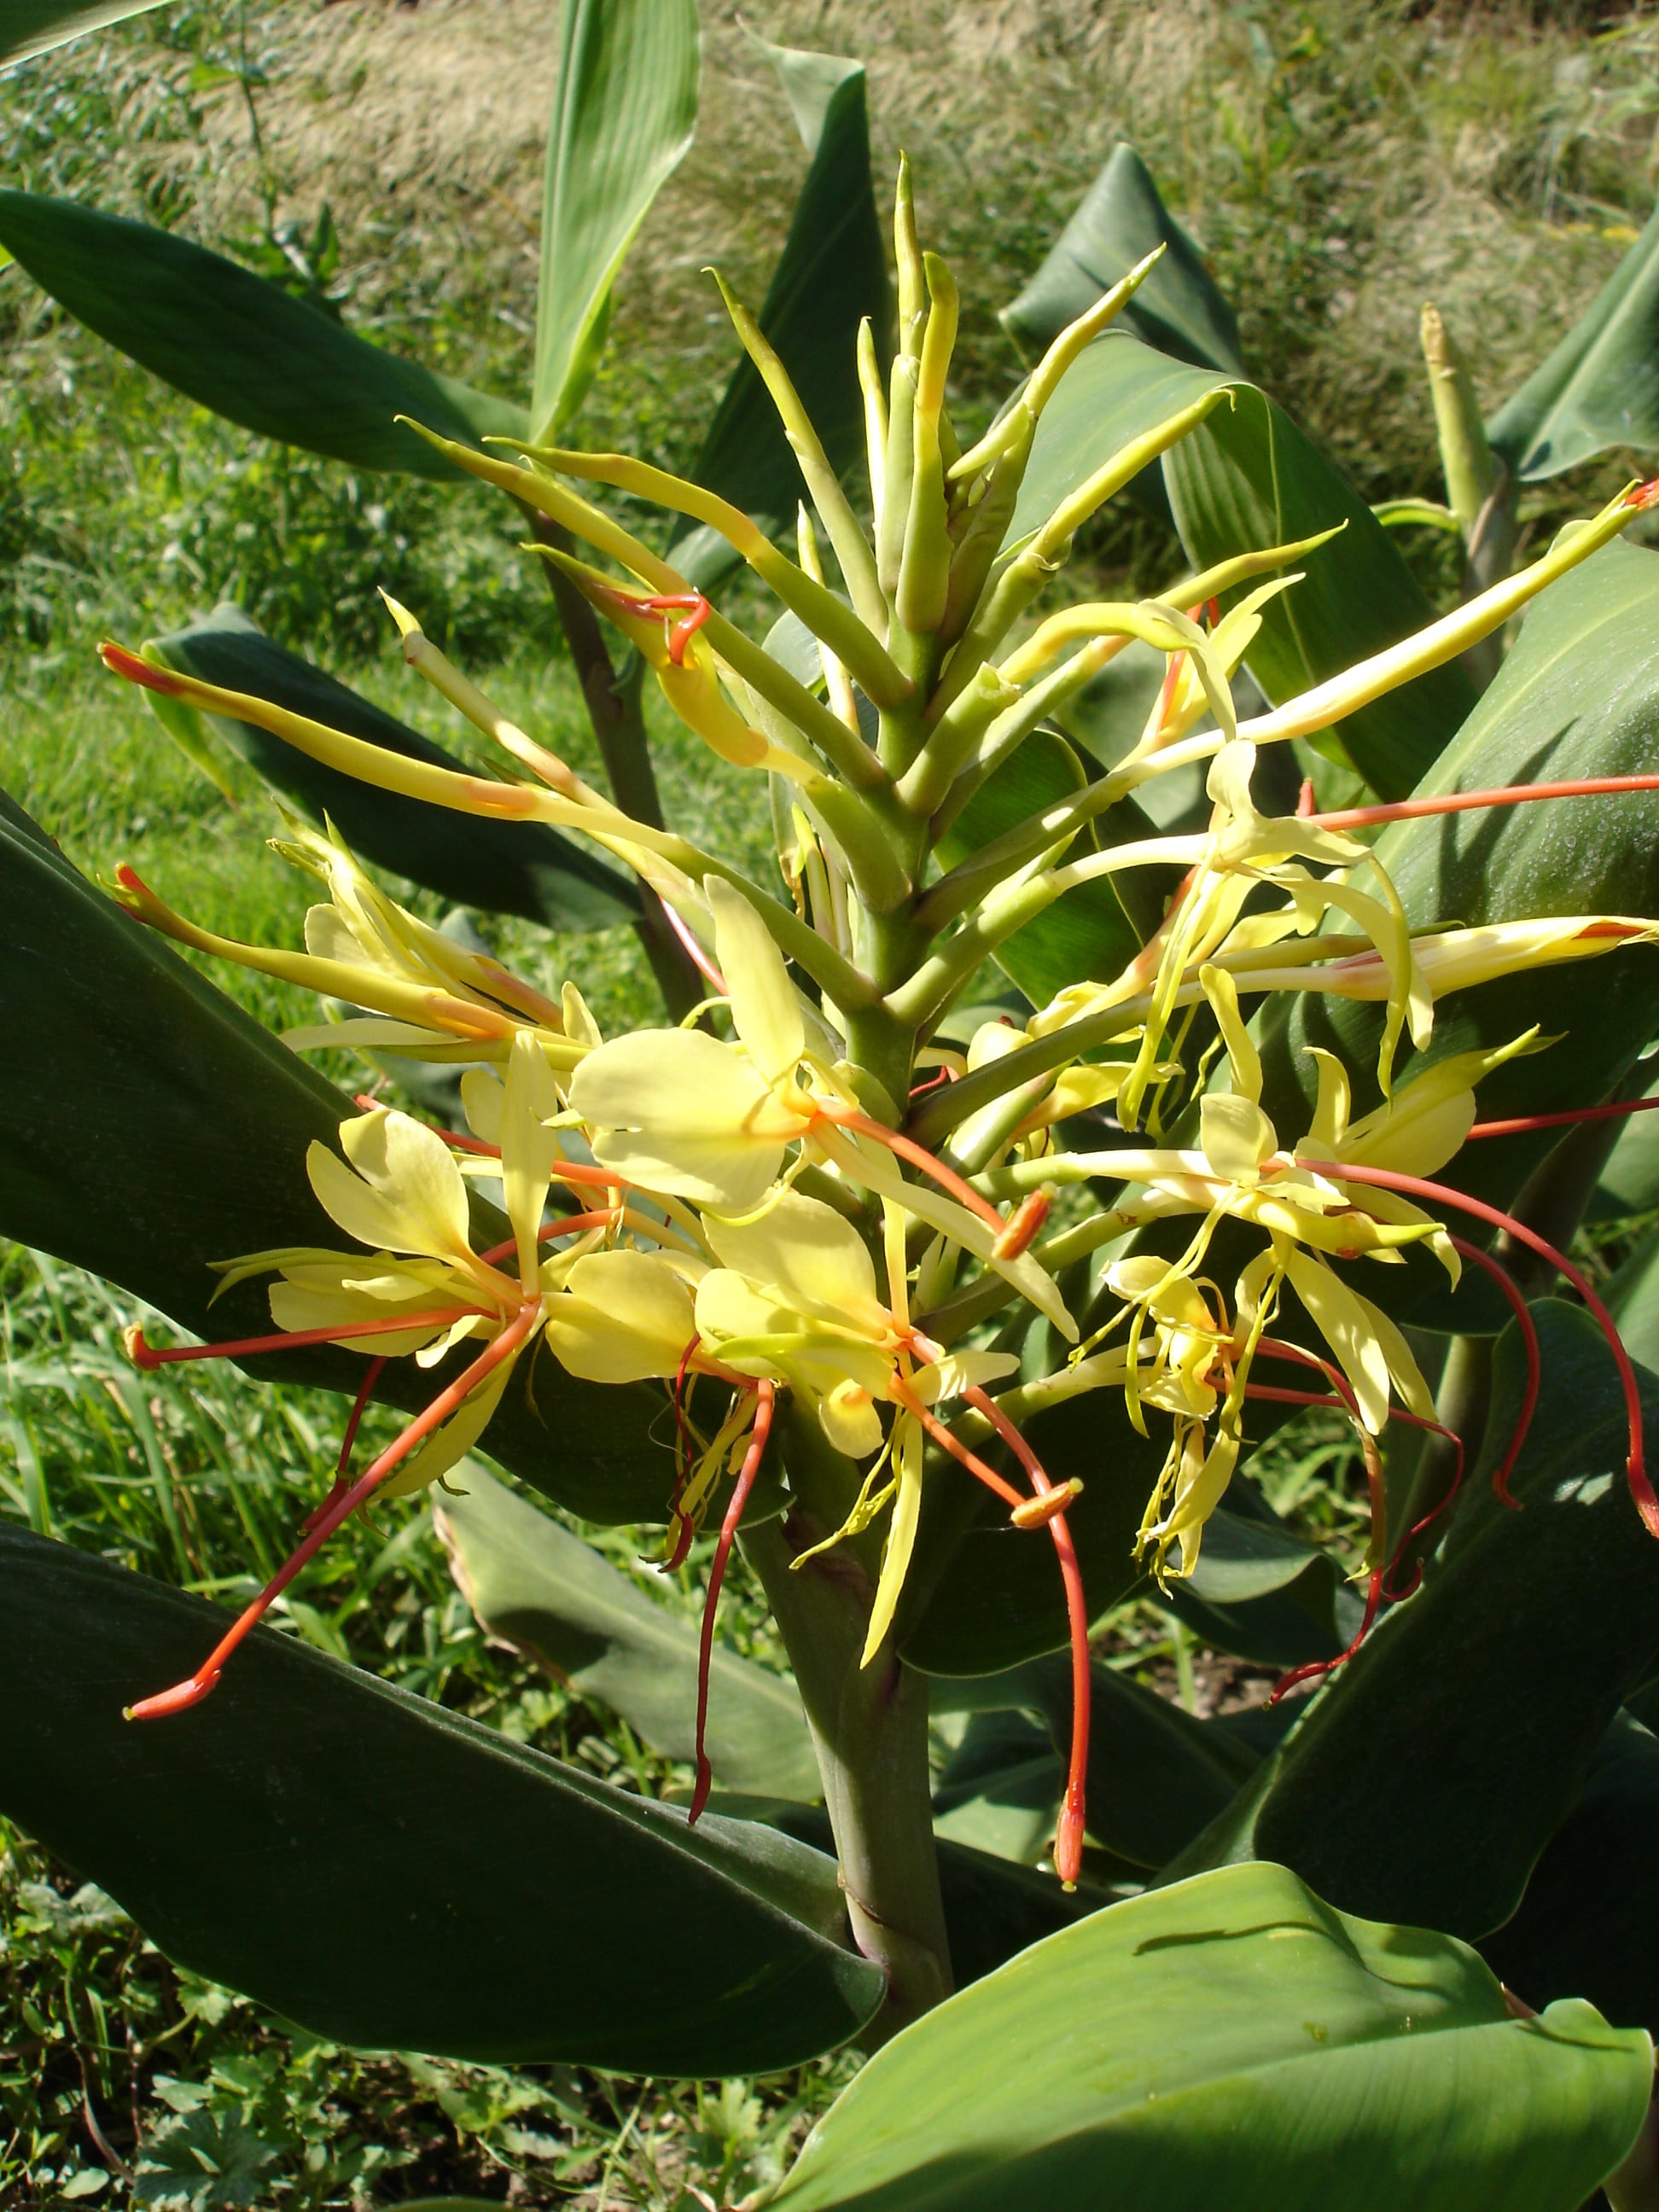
x,y
806,1188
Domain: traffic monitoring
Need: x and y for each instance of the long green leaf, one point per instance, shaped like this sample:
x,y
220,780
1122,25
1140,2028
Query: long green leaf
x,y
240,345
1121,220
622,117
1629,1181
150,1126
1249,478
1600,387
1432,1771
497,867
388,1873
1587,1924
29,27
831,274
534,1585
1232,2042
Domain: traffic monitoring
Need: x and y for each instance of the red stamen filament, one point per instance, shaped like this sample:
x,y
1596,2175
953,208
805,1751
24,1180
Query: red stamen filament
x,y
694,951
1439,1194
147,1356
342,1465
1522,1124
1073,1815
1464,802
1524,1321
765,1395
682,633
191,1691
906,1148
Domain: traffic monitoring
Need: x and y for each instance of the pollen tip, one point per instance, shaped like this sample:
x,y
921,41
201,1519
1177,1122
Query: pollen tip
x,y
138,1351
179,1699
1024,1226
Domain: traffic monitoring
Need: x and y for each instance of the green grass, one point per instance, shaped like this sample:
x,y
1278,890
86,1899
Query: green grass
x,y
1340,159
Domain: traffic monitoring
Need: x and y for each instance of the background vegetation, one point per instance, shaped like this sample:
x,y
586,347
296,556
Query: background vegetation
x,y
1340,161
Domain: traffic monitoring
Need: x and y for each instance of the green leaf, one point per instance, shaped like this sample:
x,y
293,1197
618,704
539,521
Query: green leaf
x,y
35,27
1600,387
150,1126
1629,1181
497,867
1633,1299
1431,1772
1121,219
390,1875
1232,2042
1247,478
1576,697
623,116
1587,1923
242,346
1000,1791
1263,1593
831,273
534,1585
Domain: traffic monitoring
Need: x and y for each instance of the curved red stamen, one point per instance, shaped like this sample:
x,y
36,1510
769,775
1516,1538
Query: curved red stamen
x,y
568,1224
192,1691
147,1357
682,633
1464,802
342,1465
918,1156
1641,1490
1523,1320
1520,1124
765,1394
902,1395
1074,1812
1374,1483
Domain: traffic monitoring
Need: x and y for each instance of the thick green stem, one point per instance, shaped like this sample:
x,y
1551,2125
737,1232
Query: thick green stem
x,y
615,708
869,1728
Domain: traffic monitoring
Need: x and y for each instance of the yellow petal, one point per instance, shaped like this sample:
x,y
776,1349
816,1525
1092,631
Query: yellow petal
x,y
1344,1320
528,1147
626,1317
481,1102
1425,1124
406,1194
1236,1135
680,1112
811,1255
454,1440
901,1536
848,1418
958,1372
1243,1058
299,1306
1330,1121
765,1011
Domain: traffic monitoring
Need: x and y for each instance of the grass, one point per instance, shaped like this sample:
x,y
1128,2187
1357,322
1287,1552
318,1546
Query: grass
x,y
1339,161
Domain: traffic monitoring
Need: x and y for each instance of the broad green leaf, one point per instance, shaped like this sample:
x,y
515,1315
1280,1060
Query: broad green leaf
x,y
1587,1922
1121,219
388,1873
1263,1593
1000,1791
29,27
1576,697
1247,478
534,1585
242,346
1600,387
150,1126
1232,2042
623,116
497,867
1434,1769
831,273
1088,933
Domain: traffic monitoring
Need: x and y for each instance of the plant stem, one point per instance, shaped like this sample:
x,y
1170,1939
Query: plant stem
x,y
615,709
869,1728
